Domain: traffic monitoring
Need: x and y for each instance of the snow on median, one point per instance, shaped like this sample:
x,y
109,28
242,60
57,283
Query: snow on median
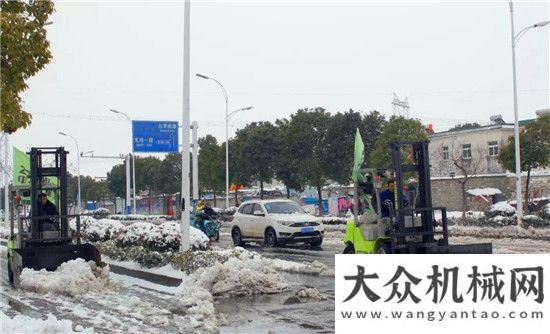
x,y
24,324
71,278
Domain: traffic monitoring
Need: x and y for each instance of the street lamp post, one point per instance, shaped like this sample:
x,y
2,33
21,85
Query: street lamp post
x,y
78,198
133,161
515,38
226,136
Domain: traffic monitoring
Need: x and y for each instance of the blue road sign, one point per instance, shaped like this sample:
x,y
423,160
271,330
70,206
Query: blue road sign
x,y
155,136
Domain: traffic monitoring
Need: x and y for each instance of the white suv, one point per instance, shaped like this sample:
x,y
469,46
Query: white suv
x,y
276,222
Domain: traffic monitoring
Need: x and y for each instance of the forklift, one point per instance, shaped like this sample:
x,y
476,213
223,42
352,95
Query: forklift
x,y
411,227
32,246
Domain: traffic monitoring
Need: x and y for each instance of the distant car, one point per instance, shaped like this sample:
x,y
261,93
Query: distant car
x,y
275,222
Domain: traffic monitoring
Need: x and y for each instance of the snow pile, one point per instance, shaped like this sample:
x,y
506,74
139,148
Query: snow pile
x,y
74,277
24,324
192,261
236,276
503,208
484,191
161,237
310,293
311,268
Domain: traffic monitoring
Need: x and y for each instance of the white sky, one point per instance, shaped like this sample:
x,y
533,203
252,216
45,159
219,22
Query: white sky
x,y
452,61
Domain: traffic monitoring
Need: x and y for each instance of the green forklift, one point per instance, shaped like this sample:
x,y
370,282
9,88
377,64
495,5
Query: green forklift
x,y
30,244
411,227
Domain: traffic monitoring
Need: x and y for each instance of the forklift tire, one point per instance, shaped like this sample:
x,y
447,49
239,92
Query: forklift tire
x,y
382,248
10,274
349,249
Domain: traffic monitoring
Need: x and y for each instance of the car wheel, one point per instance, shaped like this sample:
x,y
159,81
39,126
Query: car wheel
x,y
236,236
316,242
382,248
349,249
270,238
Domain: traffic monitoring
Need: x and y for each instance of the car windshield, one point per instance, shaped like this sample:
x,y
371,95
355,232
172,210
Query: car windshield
x,y
283,207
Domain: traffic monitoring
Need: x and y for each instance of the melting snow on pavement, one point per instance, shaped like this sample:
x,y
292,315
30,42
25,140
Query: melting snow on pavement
x,y
244,273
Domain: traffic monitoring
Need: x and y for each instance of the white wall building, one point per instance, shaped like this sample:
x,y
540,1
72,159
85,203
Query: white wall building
x,y
473,151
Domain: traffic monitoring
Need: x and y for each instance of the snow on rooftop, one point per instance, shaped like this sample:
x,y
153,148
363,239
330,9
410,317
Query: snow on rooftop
x,y
484,191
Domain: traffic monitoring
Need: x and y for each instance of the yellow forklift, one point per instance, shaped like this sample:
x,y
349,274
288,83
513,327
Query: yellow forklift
x,y
45,241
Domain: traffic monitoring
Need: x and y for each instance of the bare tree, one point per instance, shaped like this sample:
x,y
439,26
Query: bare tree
x,y
460,165
468,167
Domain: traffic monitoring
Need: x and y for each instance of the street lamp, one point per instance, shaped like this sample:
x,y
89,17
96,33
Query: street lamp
x,y
202,76
515,38
78,198
238,110
133,159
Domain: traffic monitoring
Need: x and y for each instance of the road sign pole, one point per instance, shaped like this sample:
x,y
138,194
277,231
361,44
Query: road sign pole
x,y
128,206
134,183
184,246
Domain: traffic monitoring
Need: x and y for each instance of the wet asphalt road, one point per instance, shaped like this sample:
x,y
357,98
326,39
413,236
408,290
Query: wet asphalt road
x,y
332,244
274,313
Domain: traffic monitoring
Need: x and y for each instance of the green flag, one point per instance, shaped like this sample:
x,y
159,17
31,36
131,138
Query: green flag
x,y
21,168
22,174
358,156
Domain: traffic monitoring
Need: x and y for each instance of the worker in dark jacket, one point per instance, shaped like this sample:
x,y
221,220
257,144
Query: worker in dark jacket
x,y
389,195
46,208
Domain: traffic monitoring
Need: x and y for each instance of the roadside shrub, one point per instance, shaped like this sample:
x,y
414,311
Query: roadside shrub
x,y
191,261
150,259
535,221
500,209
101,213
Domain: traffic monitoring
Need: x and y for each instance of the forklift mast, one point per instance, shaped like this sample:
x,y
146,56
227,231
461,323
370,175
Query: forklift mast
x,y
41,177
418,164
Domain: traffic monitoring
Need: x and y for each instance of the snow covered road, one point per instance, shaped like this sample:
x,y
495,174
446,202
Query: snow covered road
x,y
134,305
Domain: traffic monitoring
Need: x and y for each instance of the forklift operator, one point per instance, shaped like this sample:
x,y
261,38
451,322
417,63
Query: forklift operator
x,y
388,195
46,208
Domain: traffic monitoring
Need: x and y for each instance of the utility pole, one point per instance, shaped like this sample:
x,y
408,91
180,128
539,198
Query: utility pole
x,y
515,38
195,146
185,212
